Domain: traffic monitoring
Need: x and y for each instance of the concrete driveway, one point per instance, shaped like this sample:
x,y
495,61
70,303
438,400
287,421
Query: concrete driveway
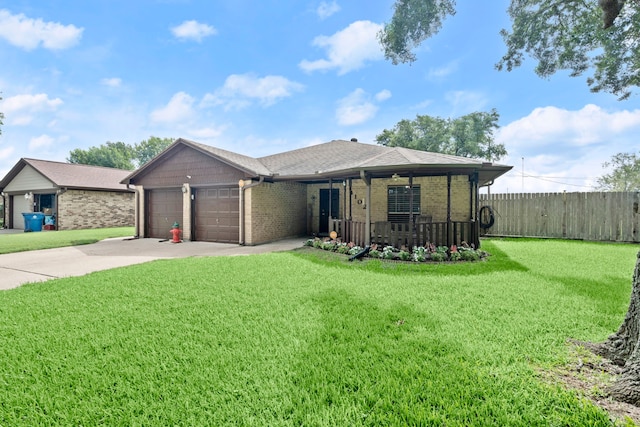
x,y
37,266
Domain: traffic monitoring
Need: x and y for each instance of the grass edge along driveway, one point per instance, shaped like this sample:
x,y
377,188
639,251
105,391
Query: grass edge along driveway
x,y
291,339
20,242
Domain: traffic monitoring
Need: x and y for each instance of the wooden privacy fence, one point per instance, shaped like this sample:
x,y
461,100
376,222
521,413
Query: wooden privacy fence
x,y
600,216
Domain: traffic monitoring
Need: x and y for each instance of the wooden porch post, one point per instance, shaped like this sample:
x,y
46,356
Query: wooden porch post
x,y
475,224
350,199
411,223
449,228
367,226
330,203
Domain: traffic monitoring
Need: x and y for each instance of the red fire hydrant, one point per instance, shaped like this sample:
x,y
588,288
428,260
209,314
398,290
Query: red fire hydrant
x,y
175,233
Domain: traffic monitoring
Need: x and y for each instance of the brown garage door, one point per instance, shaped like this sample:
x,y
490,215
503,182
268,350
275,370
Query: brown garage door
x,y
164,207
217,213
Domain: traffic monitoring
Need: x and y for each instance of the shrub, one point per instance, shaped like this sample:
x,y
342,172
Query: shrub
x,y
439,256
374,253
354,250
329,246
469,254
342,248
387,252
419,254
404,255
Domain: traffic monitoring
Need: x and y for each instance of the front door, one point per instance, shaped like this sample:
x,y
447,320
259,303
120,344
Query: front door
x,y
329,206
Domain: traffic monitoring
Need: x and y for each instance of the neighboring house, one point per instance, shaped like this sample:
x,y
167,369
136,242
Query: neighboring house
x,y
362,191
71,196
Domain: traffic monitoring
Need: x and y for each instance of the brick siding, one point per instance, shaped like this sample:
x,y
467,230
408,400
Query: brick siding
x,y
275,211
81,209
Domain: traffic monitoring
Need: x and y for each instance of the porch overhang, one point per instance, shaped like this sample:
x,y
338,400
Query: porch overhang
x,y
487,172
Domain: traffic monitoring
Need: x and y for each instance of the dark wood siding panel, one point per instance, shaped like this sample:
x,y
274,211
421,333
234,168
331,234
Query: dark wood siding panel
x,y
217,213
164,208
174,168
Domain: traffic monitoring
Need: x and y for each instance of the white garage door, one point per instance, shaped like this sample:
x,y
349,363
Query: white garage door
x,y
20,204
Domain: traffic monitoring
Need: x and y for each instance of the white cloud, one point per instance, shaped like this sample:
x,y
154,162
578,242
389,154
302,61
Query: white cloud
x,y
193,30
239,90
111,82
348,49
552,125
36,102
383,95
28,33
563,150
325,9
39,142
179,108
355,108
20,110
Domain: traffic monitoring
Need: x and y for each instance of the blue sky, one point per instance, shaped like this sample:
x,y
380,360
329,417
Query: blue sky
x,y
264,77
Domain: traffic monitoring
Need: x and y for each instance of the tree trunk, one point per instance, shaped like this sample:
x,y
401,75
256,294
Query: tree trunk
x,y
623,347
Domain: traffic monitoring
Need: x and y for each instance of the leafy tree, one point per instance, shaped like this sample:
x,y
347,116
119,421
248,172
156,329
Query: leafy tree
x,y
625,175
467,136
120,155
573,35
149,148
112,154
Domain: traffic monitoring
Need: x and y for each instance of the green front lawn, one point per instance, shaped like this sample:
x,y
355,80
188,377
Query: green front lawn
x,y
20,242
299,339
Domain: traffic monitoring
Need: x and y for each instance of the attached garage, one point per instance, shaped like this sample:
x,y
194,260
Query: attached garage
x,y
164,208
217,214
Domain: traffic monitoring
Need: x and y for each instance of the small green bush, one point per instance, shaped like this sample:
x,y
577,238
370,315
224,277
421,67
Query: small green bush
x,y
438,256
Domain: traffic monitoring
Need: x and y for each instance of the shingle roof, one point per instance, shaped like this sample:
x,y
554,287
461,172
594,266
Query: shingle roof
x,y
339,158
240,161
72,175
339,155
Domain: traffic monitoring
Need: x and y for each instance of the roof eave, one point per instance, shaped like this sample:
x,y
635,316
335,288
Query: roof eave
x,y
485,170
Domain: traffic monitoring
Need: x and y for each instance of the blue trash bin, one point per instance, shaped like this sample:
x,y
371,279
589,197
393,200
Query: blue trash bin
x,y
33,221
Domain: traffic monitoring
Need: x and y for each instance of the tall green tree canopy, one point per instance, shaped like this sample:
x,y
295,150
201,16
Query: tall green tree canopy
x,y
112,155
120,155
149,148
573,35
625,175
470,135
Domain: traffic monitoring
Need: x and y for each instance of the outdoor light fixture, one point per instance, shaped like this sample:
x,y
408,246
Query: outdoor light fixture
x,y
395,176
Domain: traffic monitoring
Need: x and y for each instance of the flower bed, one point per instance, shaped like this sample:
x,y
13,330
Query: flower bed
x,y
430,252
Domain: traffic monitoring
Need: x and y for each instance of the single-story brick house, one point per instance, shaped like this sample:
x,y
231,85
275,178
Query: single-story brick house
x,y
366,193
72,196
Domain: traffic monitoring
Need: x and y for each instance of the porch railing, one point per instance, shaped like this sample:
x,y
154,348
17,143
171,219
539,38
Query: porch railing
x,y
409,235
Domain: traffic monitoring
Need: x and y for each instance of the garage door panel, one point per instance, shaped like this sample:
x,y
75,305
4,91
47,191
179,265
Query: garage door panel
x,y
217,214
164,207
20,205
